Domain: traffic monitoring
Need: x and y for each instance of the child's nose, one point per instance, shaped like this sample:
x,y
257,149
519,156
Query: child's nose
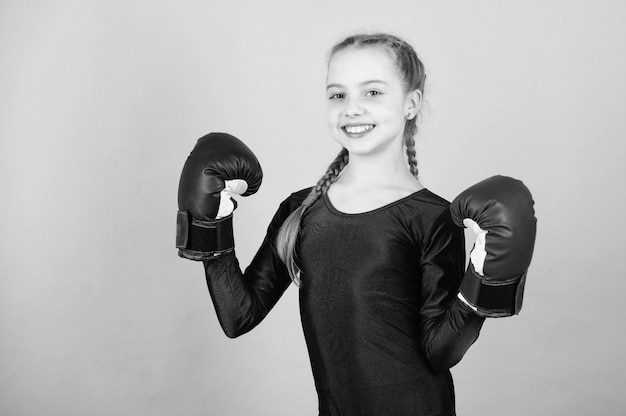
x,y
353,108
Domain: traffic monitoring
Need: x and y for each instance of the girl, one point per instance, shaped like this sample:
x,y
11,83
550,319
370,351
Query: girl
x,y
376,255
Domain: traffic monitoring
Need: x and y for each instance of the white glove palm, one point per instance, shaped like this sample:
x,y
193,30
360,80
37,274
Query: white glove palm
x,y
232,187
478,254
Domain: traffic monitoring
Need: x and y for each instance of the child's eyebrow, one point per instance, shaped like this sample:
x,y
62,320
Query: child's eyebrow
x,y
364,83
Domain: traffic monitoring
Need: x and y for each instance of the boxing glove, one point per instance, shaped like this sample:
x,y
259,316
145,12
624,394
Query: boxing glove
x,y
204,227
501,210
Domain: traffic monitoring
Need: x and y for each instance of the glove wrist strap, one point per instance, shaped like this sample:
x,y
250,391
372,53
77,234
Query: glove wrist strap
x,y
491,298
203,240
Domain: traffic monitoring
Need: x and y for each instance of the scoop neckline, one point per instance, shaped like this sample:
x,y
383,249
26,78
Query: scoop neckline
x,y
335,211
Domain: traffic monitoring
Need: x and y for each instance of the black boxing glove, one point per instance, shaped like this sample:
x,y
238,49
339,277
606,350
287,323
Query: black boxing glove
x,y
219,164
500,210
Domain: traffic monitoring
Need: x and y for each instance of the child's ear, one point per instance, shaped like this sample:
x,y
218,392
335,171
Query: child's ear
x,y
413,103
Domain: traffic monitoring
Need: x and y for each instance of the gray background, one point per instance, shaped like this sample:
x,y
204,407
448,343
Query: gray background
x,y
101,102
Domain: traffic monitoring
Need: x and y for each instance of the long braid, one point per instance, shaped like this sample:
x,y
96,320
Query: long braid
x,y
287,238
410,130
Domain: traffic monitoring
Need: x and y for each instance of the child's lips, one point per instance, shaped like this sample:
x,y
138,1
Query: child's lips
x,y
358,129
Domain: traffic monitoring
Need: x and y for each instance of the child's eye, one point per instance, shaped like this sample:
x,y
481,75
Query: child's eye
x,y
372,93
336,96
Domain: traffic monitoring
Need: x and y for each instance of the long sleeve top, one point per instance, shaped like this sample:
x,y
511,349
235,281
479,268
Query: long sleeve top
x,y
378,302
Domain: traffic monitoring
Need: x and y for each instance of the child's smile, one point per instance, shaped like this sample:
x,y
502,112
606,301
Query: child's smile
x,y
357,130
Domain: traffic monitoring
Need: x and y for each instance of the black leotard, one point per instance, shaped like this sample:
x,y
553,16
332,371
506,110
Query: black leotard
x,y
378,302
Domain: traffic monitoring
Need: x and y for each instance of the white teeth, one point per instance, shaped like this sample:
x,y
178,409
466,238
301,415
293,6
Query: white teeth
x,y
362,128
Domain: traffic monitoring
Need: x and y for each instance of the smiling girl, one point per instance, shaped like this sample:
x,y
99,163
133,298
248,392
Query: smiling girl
x,y
376,255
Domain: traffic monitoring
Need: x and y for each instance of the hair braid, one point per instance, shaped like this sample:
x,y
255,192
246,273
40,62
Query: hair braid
x,y
332,173
410,130
287,238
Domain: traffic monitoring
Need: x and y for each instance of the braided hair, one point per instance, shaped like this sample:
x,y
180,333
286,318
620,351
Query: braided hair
x,y
413,77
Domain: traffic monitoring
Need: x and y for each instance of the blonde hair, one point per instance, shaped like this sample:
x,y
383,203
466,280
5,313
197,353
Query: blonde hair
x,y
411,71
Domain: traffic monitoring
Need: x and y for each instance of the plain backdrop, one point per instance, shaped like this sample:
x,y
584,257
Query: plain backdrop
x,y
102,101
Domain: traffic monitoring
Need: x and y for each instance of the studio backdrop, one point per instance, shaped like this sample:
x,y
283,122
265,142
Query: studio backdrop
x,y
102,101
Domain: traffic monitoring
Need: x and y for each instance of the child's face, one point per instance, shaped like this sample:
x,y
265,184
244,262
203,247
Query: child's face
x,y
367,103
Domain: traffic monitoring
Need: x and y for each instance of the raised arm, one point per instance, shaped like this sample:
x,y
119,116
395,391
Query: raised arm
x,y
448,326
500,209
219,165
242,300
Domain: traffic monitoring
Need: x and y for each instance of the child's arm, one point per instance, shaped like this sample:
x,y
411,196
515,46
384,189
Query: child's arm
x,y
448,326
501,210
219,165
242,300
